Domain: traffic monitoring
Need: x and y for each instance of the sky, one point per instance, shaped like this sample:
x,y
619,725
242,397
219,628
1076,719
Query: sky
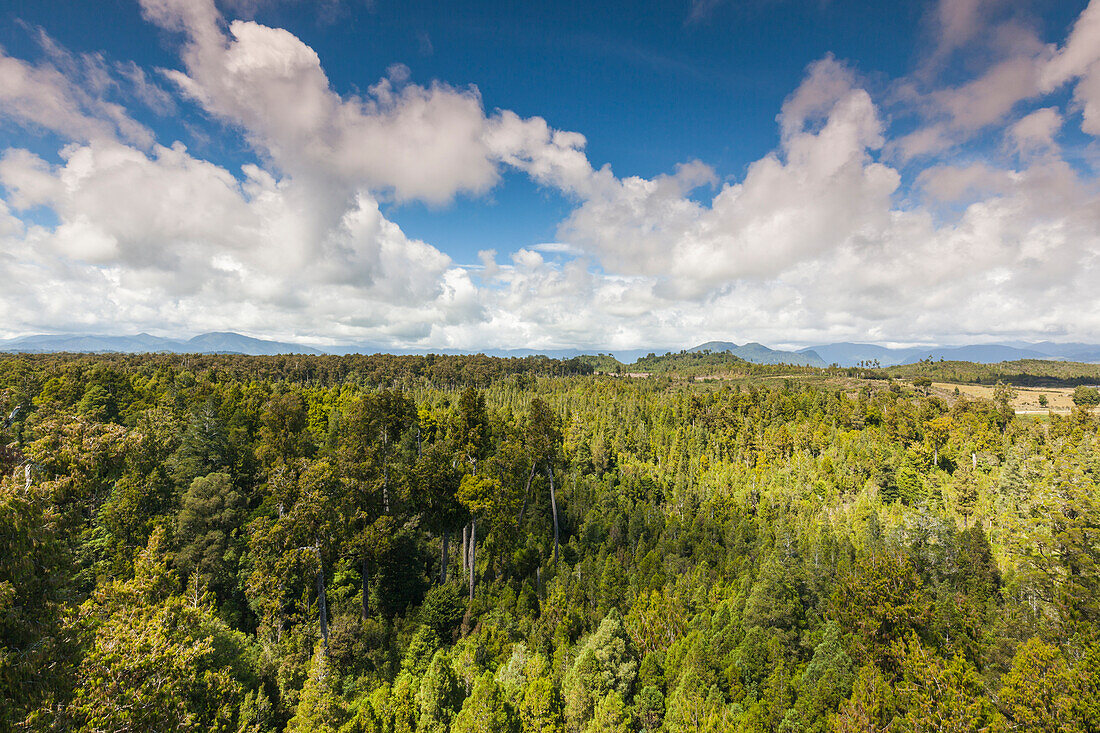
x,y
596,175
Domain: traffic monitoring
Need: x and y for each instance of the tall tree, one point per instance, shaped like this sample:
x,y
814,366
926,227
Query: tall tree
x,y
544,443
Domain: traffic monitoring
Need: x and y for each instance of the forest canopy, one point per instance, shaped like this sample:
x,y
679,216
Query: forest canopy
x,y
397,544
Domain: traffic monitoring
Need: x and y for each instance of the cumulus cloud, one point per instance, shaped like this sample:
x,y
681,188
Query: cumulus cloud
x,y
416,142
42,97
1035,132
836,234
817,192
195,244
815,243
953,183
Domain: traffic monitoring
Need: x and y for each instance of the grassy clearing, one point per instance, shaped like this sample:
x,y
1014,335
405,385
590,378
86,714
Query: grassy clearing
x,y
1059,399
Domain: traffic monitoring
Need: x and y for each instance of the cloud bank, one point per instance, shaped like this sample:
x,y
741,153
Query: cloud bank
x,y
845,231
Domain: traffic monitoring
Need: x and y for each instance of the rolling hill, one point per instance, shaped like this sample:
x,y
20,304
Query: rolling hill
x,y
760,354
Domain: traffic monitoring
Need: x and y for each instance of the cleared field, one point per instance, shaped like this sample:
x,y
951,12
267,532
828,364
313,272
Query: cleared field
x,y
1059,399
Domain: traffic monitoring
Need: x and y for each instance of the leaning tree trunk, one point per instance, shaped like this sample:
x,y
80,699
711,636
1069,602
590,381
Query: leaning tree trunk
x,y
445,557
554,509
526,494
473,554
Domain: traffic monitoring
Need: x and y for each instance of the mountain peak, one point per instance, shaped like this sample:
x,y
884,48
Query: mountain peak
x,y
757,353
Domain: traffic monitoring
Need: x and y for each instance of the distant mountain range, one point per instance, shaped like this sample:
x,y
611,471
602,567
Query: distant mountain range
x,y
218,342
761,354
848,354
842,354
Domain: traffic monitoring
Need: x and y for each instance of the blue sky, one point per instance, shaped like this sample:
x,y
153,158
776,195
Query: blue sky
x,y
595,175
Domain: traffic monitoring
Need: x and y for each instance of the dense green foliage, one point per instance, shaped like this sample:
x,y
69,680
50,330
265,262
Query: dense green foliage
x,y
1023,372
702,364
399,544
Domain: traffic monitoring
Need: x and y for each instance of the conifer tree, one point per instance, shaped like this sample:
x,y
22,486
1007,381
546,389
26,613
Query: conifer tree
x,y
486,710
320,706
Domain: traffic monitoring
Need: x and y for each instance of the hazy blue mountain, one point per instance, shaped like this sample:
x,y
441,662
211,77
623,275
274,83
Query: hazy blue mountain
x,y
979,353
1090,357
760,354
626,356
850,354
1073,351
222,342
844,354
207,343
142,342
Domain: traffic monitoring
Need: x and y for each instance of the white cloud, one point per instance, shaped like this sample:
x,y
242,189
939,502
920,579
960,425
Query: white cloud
x,y
168,238
416,142
819,192
822,239
952,183
1079,59
813,244
1035,132
42,97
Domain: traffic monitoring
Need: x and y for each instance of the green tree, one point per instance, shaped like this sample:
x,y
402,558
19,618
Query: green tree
x,y
825,683
540,708
607,662
486,710
693,708
33,588
206,527
882,602
434,481
1086,396
871,707
544,443
775,601
439,696
205,447
442,609
156,661
320,707
283,437
471,427
649,706
1037,694
610,716
943,696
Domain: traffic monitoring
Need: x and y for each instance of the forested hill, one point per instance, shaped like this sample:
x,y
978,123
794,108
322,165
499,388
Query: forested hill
x,y
464,544
698,364
1025,372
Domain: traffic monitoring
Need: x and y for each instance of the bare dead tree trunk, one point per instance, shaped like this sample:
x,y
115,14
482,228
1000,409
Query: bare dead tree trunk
x,y
386,487
366,587
322,601
526,494
465,547
445,557
473,554
554,508
385,473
